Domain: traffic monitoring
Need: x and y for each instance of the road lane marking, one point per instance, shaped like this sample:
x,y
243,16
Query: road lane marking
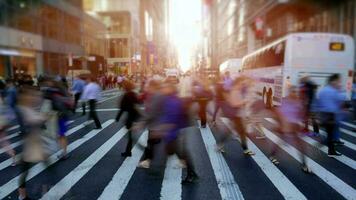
x,y
118,183
171,184
347,143
349,125
333,181
227,185
12,185
287,189
343,159
65,184
350,133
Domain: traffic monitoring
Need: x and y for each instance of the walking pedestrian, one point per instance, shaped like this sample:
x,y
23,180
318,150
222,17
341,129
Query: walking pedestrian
x,y
77,90
289,115
329,104
92,94
128,104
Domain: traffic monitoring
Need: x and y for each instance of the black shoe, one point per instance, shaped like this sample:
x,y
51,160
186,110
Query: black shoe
x,y
339,143
97,128
190,179
334,154
126,154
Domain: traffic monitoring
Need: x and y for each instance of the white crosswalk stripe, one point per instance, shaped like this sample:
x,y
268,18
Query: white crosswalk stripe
x,y
228,187
118,183
171,185
64,185
346,160
8,162
12,185
340,186
171,188
280,181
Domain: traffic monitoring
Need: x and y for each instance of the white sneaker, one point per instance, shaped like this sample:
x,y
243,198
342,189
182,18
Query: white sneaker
x,y
144,164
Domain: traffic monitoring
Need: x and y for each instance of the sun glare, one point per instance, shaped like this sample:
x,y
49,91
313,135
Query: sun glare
x,y
185,29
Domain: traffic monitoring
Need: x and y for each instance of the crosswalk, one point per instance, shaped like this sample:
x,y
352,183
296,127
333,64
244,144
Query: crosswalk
x,y
96,161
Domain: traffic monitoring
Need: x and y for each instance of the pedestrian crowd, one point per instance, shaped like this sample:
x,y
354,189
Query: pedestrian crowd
x,y
43,110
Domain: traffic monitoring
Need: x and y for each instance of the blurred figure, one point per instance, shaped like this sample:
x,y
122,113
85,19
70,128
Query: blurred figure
x,y
354,98
128,104
151,120
4,123
11,102
228,81
219,98
174,120
202,96
33,151
255,110
77,90
92,94
57,106
307,96
330,100
289,115
235,109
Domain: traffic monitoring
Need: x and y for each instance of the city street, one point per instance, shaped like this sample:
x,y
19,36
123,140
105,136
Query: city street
x,y
96,170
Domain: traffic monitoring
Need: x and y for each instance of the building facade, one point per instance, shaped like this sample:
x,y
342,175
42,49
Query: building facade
x,y
37,36
121,18
153,36
244,26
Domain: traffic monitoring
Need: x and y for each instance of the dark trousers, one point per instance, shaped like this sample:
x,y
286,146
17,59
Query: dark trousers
x,y
92,113
151,143
311,116
202,111
76,99
329,123
129,142
240,128
354,108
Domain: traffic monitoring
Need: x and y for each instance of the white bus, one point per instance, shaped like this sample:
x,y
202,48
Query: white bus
x,y
232,65
285,61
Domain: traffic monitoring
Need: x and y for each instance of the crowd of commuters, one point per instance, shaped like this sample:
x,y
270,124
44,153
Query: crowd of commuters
x,y
44,109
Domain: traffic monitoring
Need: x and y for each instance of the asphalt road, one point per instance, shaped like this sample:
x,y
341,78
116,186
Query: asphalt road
x,y
95,169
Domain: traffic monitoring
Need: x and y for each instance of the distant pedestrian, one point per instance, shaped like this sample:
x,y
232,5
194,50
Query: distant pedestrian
x,y
92,94
77,90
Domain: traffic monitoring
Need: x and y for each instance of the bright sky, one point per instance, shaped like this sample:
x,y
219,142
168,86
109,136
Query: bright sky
x,y
185,16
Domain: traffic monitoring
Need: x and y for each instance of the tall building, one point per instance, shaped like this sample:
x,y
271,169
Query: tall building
x,y
153,36
37,36
121,18
244,26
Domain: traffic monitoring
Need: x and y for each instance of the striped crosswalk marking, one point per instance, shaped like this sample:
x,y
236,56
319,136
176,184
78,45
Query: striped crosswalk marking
x,y
171,185
280,181
349,125
345,160
118,183
11,146
350,133
8,162
227,185
64,185
333,181
12,185
10,136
